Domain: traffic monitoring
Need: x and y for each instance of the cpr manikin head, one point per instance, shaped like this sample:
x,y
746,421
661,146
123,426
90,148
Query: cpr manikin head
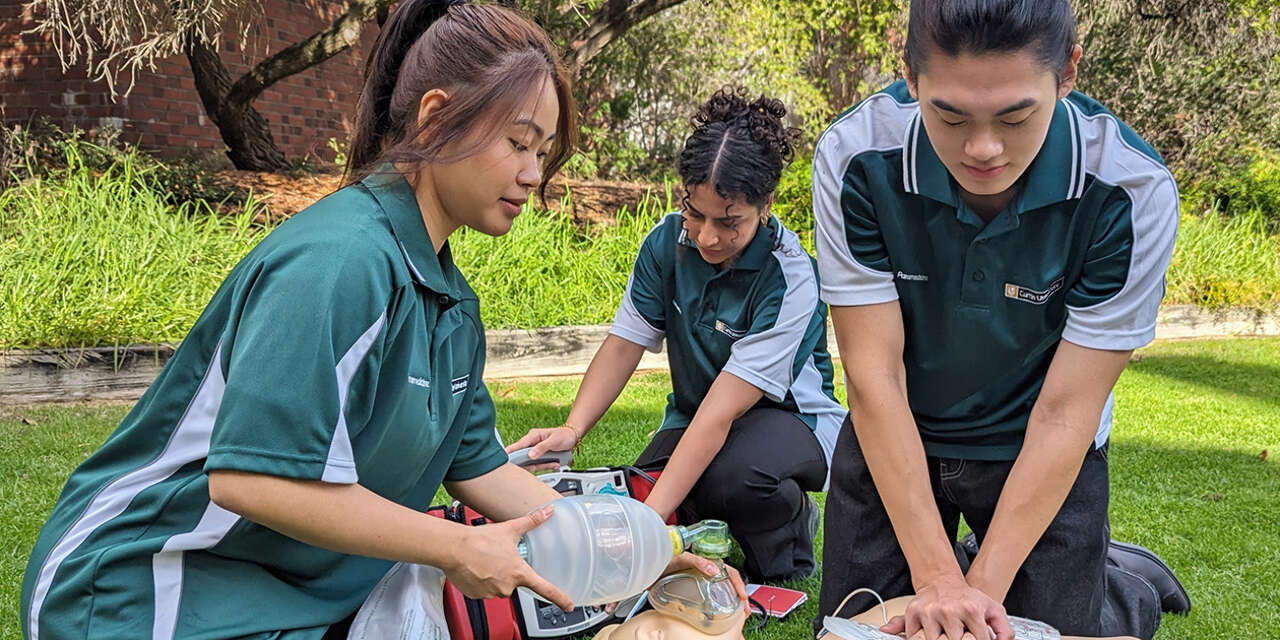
x,y
652,625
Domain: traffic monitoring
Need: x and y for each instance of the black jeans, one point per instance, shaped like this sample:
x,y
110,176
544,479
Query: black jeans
x,y
756,484
1064,581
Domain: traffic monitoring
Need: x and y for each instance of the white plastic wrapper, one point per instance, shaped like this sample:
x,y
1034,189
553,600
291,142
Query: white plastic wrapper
x,y
407,604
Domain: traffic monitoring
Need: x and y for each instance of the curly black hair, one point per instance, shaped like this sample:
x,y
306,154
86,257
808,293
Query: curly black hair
x,y
739,146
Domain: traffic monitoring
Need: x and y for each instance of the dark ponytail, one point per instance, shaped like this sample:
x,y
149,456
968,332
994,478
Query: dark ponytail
x,y
488,58
954,27
739,147
373,121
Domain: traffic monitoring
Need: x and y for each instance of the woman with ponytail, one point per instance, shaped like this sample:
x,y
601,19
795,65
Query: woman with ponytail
x,y
751,420
284,458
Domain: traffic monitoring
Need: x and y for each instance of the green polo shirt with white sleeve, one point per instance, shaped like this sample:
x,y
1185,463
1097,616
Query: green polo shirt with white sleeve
x,y
1079,254
341,349
759,319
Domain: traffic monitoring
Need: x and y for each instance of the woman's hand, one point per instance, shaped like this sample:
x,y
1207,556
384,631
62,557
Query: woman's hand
x,y
488,565
708,568
561,438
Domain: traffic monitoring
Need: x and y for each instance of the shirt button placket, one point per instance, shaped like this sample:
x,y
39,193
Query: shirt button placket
x,y
974,288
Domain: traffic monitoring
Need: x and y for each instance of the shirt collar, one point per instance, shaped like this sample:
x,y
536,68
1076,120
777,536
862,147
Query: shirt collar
x,y
1056,175
398,201
757,252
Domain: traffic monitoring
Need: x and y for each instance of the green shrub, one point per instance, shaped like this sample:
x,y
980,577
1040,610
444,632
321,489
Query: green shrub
x,y
192,179
41,148
793,200
1222,261
1253,186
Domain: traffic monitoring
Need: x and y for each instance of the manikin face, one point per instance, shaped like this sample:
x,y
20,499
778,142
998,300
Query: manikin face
x,y
721,228
987,115
485,191
651,625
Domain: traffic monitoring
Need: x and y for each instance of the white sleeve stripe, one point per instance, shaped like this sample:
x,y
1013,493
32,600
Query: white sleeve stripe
x,y
644,340
769,387
631,325
771,354
340,466
1127,319
882,126
628,323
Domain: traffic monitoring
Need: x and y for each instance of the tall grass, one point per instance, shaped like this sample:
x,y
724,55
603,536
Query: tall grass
x,y
547,271
93,255
99,257
1225,261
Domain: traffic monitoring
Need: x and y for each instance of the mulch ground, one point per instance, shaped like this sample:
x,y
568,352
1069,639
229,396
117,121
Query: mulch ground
x,y
285,194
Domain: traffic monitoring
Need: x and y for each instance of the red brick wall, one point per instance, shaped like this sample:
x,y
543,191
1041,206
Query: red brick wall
x,y
163,113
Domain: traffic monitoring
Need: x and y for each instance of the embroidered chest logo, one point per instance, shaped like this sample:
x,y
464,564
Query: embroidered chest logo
x,y
728,330
1032,296
420,382
914,277
460,384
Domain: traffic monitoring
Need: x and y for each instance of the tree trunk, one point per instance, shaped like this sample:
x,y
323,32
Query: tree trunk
x,y
608,23
250,145
230,104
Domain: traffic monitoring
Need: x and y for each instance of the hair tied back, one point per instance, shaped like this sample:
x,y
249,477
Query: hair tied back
x,y
408,22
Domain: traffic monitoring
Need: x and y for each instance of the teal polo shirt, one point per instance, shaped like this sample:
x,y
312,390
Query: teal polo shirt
x,y
341,349
1080,254
759,319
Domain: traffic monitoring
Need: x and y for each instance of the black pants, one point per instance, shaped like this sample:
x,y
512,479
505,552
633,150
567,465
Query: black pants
x,y
756,484
1064,581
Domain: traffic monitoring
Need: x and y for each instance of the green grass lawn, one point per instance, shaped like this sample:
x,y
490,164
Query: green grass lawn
x,y
1189,474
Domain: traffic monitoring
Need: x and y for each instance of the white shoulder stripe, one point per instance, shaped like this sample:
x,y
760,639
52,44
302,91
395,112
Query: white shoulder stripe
x,y
628,323
910,177
188,443
765,359
340,467
880,123
1077,174
1127,319
1110,157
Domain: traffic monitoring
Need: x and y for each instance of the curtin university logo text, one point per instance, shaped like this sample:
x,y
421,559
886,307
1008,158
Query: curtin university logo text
x,y
1032,296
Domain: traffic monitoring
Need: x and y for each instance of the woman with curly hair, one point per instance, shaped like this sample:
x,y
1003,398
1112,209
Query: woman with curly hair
x,y
751,420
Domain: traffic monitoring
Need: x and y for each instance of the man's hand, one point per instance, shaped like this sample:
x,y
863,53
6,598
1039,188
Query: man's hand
x,y
949,609
488,565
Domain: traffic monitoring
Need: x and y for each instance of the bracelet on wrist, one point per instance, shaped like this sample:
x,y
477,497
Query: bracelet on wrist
x,y
577,437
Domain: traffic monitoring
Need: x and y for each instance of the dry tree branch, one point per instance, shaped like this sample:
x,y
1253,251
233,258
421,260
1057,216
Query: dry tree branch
x,y
121,37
